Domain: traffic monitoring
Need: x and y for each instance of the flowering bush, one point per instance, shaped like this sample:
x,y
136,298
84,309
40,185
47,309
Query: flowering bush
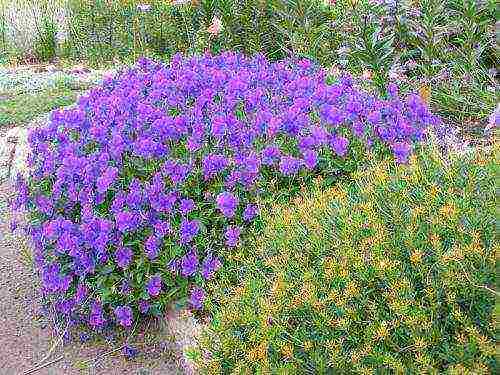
x,y
136,193
394,273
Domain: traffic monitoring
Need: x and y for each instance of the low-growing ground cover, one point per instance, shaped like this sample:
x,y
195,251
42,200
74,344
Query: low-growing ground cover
x,y
20,109
392,273
137,195
26,94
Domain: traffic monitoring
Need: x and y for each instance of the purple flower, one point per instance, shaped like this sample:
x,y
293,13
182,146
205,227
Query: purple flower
x,y
289,165
227,203
123,315
196,298
96,314
392,89
210,265
174,265
358,129
44,204
107,179
339,145
401,151
84,337
148,148
81,293
154,286
374,117
310,158
126,221
123,256
186,206
125,287
162,228
177,172
134,197
250,212
144,306
13,225
232,236
66,306
189,263
152,247
332,114
213,164
188,230
118,203
270,155
130,352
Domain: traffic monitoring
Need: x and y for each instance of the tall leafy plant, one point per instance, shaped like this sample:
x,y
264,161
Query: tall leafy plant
x,y
45,47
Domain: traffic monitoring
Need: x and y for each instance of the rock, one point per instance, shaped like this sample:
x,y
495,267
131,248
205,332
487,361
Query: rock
x,y
7,150
13,153
184,330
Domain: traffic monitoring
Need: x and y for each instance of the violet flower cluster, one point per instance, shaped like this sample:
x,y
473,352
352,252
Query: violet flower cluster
x,y
155,174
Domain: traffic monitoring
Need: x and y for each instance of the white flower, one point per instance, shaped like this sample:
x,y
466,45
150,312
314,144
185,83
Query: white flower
x,y
216,27
143,7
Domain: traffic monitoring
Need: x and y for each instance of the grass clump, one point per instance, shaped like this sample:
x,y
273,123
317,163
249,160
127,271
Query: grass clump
x,y
21,108
393,273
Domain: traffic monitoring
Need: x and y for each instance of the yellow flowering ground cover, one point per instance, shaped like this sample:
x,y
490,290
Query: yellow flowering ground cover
x,y
394,272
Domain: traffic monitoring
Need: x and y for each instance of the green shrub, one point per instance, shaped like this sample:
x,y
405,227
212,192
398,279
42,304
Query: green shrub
x,y
391,274
45,47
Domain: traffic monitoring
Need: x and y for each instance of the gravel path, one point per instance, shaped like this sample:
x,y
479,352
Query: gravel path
x,y
25,336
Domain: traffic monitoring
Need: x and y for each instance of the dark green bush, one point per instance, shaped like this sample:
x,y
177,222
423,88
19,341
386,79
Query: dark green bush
x,y
45,47
392,274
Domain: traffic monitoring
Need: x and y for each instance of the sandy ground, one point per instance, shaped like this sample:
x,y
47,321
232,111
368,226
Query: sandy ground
x,y
26,338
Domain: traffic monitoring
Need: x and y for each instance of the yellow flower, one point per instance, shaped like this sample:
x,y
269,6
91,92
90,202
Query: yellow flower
x,y
420,343
425,93
416,256
412,161
318,180
382,332
351,289
381,175
278,285
307,345
261,350
434,191
344,272
461,338
296,301
355,356
481,368
287,351
448,210
417,211
435,240
298,200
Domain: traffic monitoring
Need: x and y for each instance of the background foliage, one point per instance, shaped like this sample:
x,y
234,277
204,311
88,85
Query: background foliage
x,y
447,48
391,273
